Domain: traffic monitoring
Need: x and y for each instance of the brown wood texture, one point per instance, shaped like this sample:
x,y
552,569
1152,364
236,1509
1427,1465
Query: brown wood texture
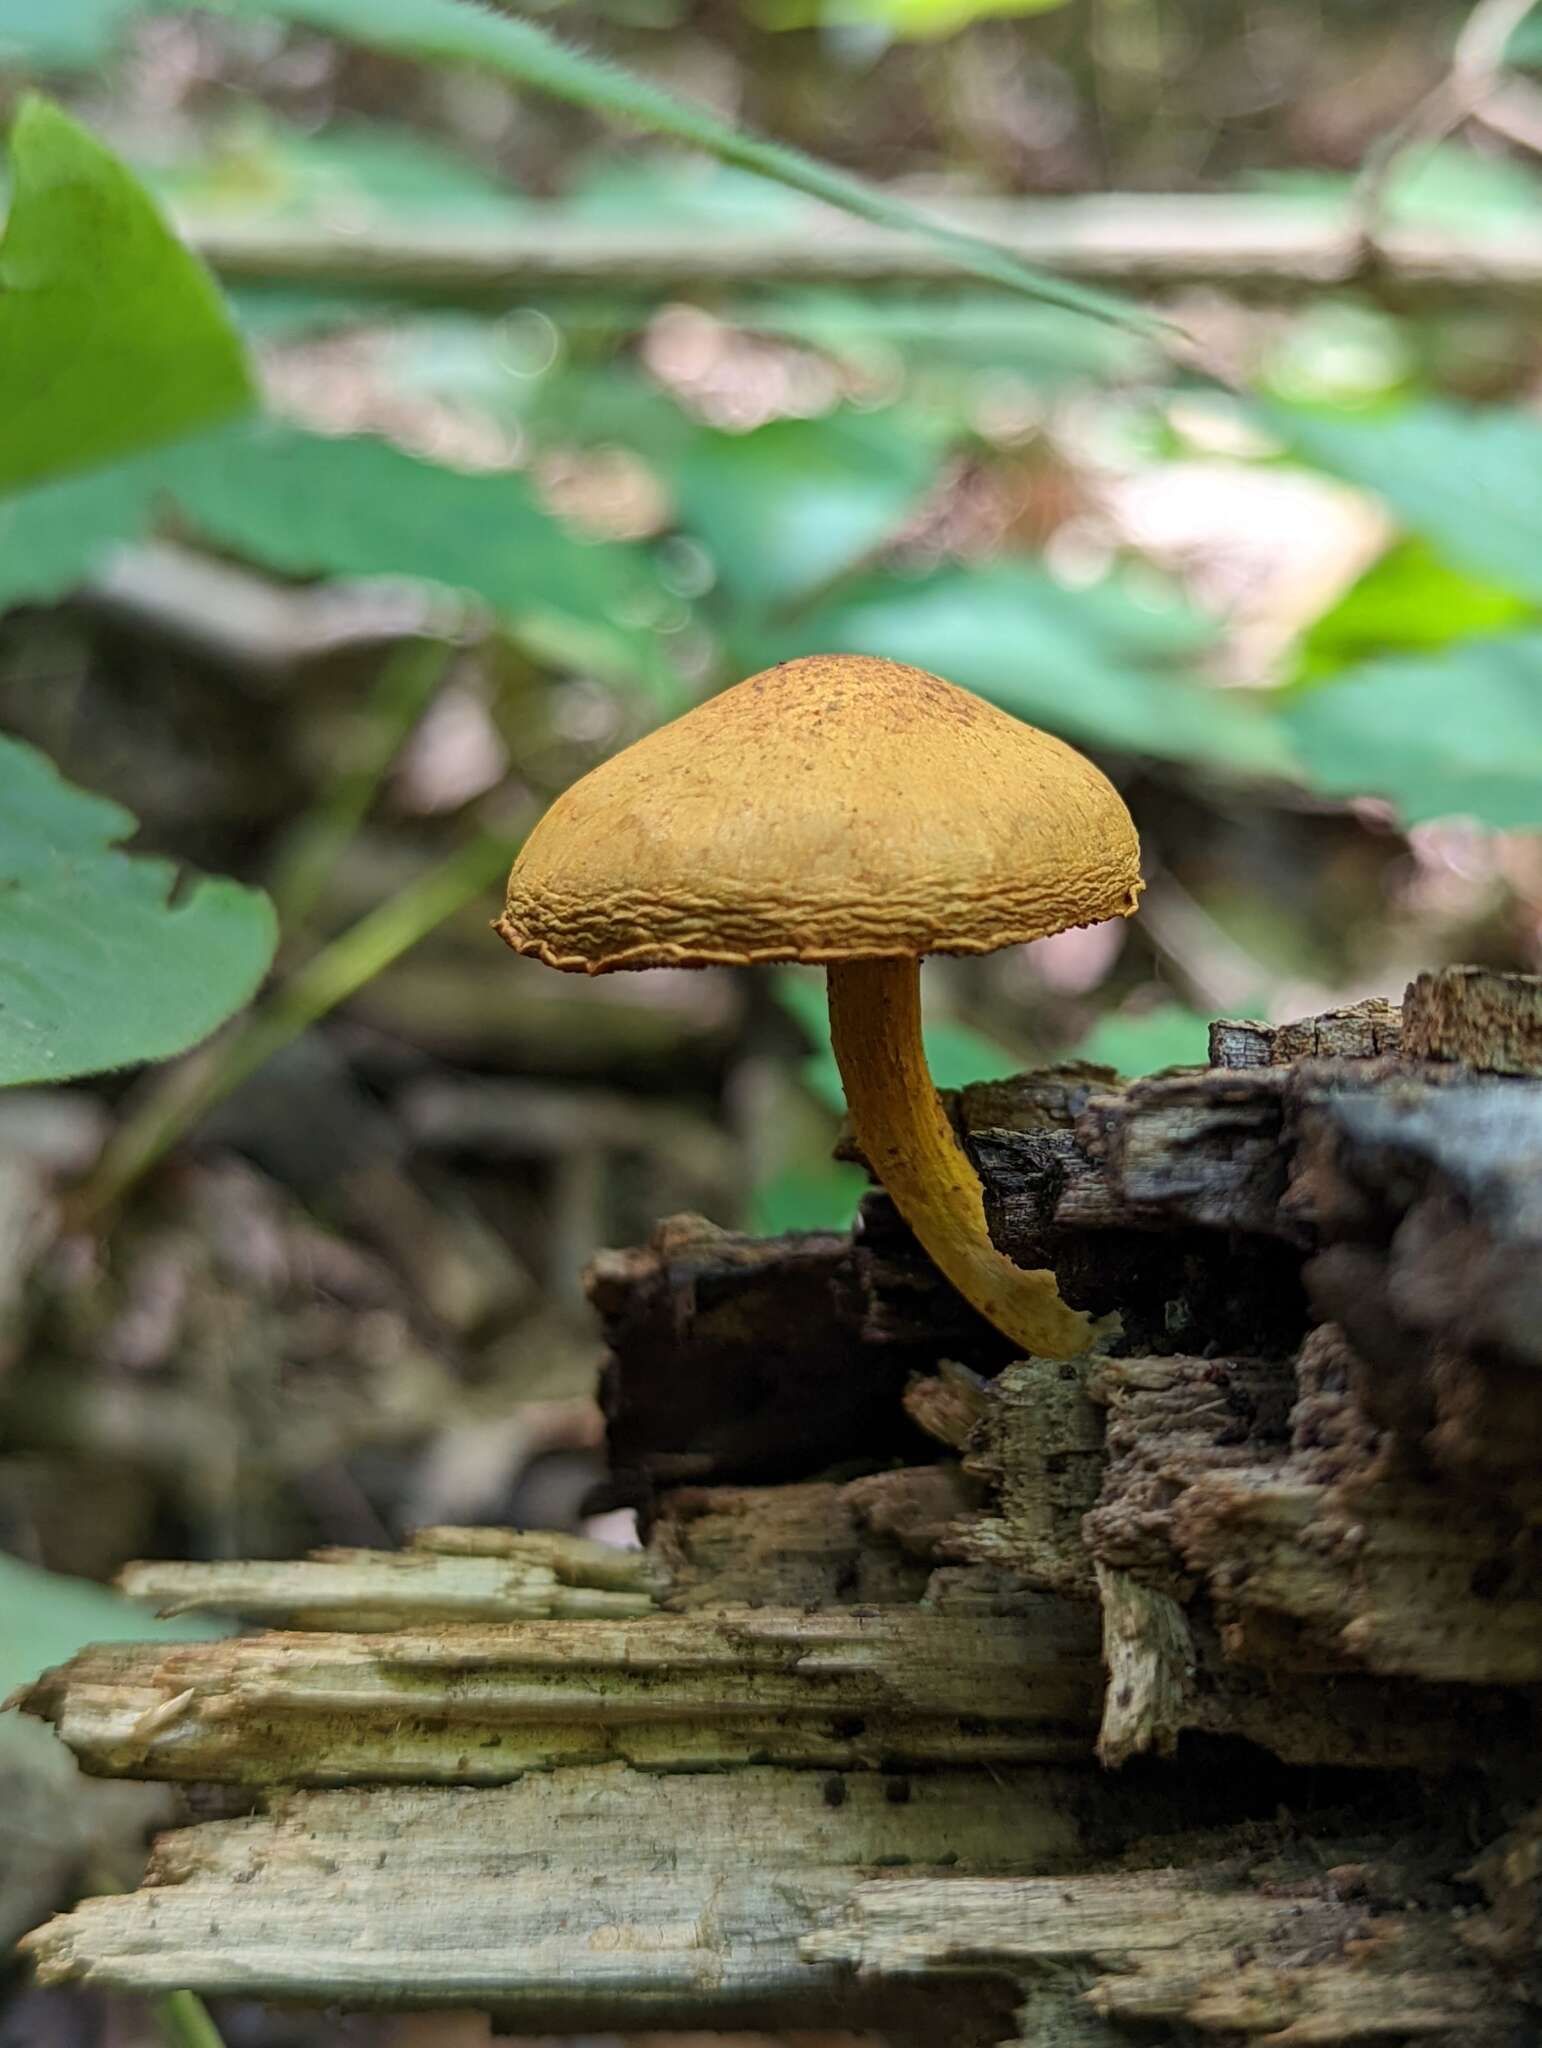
x,y
1188,1690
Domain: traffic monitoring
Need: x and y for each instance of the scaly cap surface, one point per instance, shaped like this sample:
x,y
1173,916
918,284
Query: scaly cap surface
x,y
833,808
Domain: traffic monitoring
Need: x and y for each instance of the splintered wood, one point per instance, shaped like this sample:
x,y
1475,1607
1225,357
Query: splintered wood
x,y
575,1898
842,1745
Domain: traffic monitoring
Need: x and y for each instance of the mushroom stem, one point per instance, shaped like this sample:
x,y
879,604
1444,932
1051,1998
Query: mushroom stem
x,y
875,1029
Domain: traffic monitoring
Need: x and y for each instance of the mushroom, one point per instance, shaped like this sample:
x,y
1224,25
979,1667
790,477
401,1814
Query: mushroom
x,y
858,814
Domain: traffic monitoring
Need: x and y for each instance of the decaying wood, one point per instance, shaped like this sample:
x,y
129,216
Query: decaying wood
x,y
1292,1961
1361,1031
367,1590
747,1359
848,1734
480,1704
1477,1017
806,1545
948,1403
587,1898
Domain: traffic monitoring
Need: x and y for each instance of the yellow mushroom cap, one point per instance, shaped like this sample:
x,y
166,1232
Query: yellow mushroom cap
x,y
834,808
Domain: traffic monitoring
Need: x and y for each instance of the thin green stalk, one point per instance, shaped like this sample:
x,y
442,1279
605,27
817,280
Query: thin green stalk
x,y
184,2020
336,972
471,33
407,681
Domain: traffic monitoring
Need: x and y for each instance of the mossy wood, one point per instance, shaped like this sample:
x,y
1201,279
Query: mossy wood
x,y
850,1755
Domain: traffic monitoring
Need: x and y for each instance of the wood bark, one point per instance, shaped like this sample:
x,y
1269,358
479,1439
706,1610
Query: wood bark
x,y
1186,1690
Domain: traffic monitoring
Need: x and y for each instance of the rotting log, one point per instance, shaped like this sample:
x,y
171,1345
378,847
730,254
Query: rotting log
x,y
1293,1960
1189,1689
484,1703
363,1591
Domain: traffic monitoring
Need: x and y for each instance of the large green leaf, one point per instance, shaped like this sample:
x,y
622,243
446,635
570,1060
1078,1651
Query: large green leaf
x,y
1469,481
46,1617
1408,600
466,32
1146,1041
317,505
788,507
102,962
308,504
112,335
1458,734
53,536
1087,664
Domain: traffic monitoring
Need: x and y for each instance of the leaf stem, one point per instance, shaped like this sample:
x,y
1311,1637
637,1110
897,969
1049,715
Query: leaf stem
x,y
408,678
335,973
466,32
185,2022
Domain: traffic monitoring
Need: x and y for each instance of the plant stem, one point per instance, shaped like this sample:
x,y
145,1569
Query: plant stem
x,y
875,1030
407,681
184,2020
336,972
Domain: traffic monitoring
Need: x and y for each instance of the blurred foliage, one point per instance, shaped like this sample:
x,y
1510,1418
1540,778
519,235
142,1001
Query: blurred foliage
x,y
69,35
313,505
103,964
1146,1041
918,20
354,176
1439,185
1436,735
98,299
795,503
119,340
955,1053
1100,664
648,501
1467,479
1408,599
466,32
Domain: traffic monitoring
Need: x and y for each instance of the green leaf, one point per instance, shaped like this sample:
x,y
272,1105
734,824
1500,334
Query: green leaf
x,y
1469,481
1525,45
101,965
55,535
679,191
1448,186
980,329
909,20
465,32
112,335
1086,664
1145,1042
350,175
317,505
1408,600
46,1617
821,1196
788,507
956,1053
64,35
306,505
1456,735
